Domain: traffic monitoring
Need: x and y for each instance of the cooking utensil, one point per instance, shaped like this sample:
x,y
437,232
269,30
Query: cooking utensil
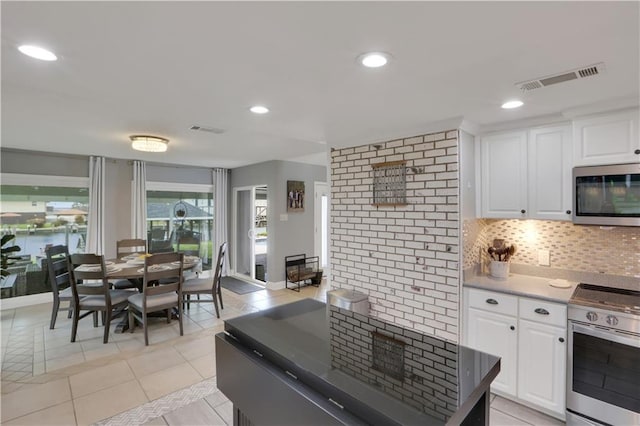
x,y
491,251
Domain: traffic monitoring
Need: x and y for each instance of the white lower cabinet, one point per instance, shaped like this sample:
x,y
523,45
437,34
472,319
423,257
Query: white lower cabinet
x,y
542,364
491,333
529,335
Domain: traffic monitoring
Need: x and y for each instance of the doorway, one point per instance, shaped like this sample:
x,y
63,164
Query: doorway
x,y
321,224
250,233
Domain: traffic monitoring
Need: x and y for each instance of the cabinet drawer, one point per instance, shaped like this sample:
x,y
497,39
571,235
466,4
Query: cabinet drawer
x,y
492,301
543,312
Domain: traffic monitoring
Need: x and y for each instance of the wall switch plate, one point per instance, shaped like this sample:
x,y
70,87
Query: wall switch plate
x,y
284,217
543,258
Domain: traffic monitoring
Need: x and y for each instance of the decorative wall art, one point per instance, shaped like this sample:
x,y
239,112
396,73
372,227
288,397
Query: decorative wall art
x,y
295,196
390,183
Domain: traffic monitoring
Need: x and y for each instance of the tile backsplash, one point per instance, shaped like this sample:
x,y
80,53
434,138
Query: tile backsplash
x,y
610,250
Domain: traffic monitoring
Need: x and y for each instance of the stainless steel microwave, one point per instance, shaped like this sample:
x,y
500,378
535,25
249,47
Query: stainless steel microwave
x,y
607,195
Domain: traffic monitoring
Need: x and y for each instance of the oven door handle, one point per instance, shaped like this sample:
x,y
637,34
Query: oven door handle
x,y
611,335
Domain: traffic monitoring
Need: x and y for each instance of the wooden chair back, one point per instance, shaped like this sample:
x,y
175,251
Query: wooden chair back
x,y
58,268
217,276
130,246
96,272
165,270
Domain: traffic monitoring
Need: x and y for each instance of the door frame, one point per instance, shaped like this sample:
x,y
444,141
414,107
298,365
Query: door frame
x,y
234,235
317,221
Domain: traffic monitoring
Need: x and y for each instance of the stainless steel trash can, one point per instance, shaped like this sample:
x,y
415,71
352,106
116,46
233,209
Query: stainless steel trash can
x,y
349,299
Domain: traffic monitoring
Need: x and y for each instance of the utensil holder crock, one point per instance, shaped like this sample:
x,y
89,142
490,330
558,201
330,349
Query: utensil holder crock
x,y
499,269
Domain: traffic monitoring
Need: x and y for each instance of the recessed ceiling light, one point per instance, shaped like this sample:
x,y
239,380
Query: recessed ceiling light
x,y
374,59
259,109
37,52
512,104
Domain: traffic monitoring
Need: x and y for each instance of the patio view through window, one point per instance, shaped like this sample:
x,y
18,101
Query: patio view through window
x,y
181,221
39,216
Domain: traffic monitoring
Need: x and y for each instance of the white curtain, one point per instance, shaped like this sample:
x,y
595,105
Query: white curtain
x,y
220,220
96,219
139,201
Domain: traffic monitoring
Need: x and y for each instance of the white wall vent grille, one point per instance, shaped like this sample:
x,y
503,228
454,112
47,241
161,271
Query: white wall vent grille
x,y
549,80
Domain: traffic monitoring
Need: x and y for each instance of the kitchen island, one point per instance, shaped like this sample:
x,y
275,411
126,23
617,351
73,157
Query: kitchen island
x,y
304,364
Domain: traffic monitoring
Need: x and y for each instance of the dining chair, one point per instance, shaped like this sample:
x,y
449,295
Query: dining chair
x,y
189,245
161,291
58,268
202,286
91,292
126,248
131,246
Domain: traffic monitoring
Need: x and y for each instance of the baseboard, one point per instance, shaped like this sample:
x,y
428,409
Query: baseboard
x,y
22,301
278,285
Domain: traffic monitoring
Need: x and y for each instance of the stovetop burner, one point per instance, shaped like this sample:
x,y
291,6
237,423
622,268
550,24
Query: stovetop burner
x,y
607,298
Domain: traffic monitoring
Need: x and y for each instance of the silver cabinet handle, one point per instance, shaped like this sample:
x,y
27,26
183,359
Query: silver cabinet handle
x,y
541,311
492,301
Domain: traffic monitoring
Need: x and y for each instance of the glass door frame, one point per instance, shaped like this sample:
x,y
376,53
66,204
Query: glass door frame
x,y
321,247
234,234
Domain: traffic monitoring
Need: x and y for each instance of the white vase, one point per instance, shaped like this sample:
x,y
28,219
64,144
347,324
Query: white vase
x,y
499,269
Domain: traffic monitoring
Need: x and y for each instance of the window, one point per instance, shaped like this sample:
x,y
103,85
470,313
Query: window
x,y
41,211
180,218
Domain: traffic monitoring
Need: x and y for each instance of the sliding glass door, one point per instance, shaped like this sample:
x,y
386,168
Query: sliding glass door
x,y
250,233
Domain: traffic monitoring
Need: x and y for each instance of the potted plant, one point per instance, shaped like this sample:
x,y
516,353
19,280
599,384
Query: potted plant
x,y
500,254
6,253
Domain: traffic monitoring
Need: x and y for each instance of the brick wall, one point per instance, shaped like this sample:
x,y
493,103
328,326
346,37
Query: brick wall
x,y
405,258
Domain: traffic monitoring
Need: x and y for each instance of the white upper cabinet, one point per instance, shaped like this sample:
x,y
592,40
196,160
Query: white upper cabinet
x,y
504,175
549,173
606,139
527,174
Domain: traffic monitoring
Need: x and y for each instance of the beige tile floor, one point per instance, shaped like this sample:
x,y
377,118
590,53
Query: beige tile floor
x,y
46,380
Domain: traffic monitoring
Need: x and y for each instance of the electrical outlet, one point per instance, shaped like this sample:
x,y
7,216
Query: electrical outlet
x,y
543,258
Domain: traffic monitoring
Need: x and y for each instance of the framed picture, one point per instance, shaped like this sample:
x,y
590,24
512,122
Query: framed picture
x,y
295,196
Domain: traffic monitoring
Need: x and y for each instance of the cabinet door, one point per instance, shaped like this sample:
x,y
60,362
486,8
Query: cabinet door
x,y
504,175
549,167
492,333
606,139
542,362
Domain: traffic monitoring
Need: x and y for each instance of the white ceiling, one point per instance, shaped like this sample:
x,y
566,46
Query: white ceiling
x,y
159,67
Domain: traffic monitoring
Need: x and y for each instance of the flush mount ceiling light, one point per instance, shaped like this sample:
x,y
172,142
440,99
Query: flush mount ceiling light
x,y
37,52
148,143
512,104
374,59
259,109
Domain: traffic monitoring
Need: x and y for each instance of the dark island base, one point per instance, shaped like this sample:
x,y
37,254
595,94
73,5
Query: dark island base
x,y
263,394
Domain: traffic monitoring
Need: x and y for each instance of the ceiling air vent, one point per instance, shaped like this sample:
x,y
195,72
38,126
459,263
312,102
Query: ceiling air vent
x,y
538,83
207,129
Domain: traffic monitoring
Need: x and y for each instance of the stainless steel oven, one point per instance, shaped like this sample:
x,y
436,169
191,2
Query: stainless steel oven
x,y
603,374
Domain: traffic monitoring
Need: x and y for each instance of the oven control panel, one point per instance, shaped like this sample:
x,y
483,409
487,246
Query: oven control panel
x,y
592,316
611,320
622,321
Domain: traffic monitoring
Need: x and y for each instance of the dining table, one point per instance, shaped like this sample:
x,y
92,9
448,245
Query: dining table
x,y
131,268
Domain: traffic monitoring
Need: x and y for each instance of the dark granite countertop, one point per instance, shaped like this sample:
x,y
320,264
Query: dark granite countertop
x,y
367,365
